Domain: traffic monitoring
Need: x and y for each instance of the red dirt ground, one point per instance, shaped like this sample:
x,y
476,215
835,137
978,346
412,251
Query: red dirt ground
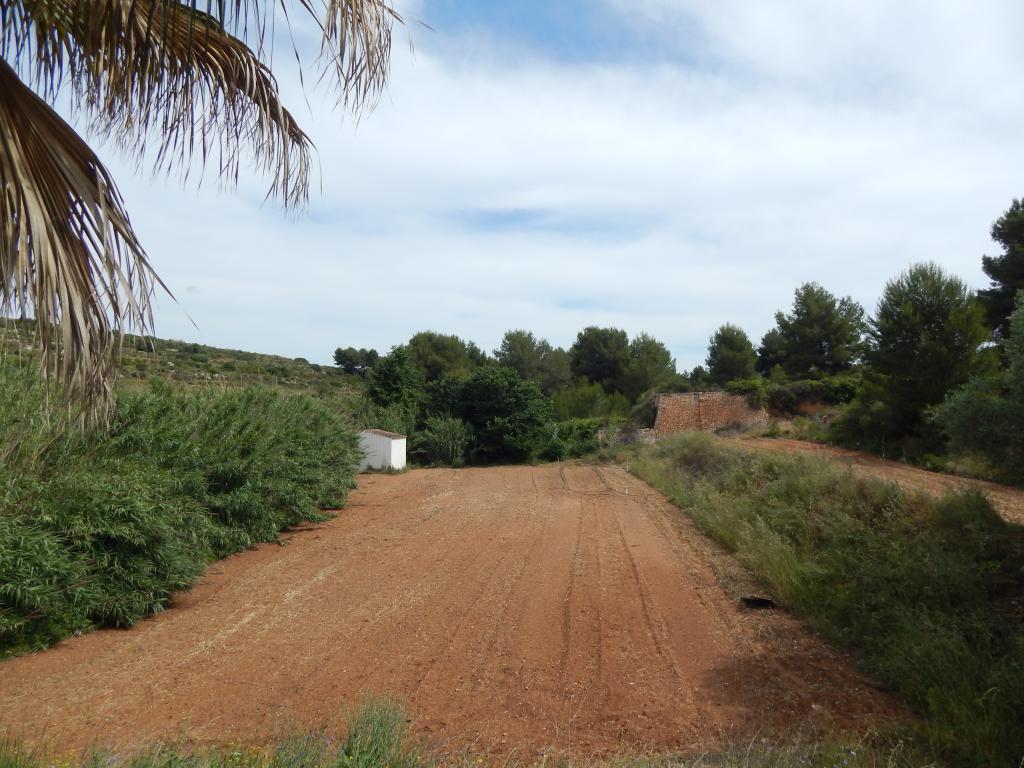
x,y
513,610
1008,502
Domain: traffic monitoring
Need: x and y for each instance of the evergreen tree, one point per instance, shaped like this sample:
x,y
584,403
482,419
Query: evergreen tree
x,y
986,417
534,360
437,355
1005,271
394,380
731,356
923,343
822,335
650,367
771,353
600,355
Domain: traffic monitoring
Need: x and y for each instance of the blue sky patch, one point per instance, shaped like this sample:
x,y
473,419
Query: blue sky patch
x,y
599,226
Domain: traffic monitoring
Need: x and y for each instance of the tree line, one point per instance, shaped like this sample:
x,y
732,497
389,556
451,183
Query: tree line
x,y
527,398
937,369
915,379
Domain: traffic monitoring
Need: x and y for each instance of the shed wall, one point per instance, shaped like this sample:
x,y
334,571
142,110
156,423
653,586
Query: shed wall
x,y
381,451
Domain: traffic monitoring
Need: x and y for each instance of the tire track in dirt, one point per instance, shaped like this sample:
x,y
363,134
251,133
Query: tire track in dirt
x,y
514,610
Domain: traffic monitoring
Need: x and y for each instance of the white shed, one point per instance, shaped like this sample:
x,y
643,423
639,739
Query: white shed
x,y
381,450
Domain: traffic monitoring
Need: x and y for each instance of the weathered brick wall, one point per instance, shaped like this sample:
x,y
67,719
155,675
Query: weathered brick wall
x,y
705,411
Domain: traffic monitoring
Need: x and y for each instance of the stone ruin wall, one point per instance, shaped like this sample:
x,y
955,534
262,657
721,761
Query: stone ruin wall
x,y
705,412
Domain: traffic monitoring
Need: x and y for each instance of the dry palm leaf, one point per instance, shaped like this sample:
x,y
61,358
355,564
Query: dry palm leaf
x,y
69,255
189,77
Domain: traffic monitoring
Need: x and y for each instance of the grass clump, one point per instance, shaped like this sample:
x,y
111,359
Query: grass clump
x,y
99,529
926,591
377,736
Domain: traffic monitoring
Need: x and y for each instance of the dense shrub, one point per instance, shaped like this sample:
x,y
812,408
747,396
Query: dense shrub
x,y
394,380
926,591
442,440
584,400
986,417
100,529
509,416
923,342
573,438
787,398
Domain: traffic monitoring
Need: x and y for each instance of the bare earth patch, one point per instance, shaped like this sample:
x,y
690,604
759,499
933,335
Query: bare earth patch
x,y
512,610
1008,501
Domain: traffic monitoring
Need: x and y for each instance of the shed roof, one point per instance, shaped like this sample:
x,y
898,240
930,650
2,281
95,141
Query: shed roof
x,y
382,433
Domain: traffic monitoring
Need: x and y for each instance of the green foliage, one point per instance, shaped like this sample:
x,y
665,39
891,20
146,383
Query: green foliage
x,y
771,353
601,356
731,356
100,529
986,417
442,441
533,360
923,343
355,361
394,381
436,355
788,397
574,438
650,368
366,414
1006,271
508,416
925,591
584,400
820,337
377,736
700,379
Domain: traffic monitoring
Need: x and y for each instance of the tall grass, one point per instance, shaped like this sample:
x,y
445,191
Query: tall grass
x,y
376,737
99,529
927,592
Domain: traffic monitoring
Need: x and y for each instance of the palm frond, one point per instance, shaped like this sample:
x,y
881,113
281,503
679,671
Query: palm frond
x,y
69,256
187,82
190,76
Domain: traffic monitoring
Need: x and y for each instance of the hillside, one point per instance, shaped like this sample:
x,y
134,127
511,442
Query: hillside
x,y
145,357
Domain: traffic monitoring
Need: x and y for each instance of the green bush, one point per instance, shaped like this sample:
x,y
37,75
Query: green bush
x,y
442,440
573,438
788,397
926,340
925,591
392,418
100,529
985,418
584,400
377,737
508,415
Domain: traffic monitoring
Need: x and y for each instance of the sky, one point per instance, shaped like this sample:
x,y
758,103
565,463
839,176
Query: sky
x,y
661,166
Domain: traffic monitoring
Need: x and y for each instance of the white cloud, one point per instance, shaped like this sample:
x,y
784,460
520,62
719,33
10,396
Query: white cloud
x,y
672,197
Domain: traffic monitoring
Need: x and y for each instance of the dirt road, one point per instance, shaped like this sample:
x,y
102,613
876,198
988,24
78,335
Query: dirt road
x,y
1008,502
513,610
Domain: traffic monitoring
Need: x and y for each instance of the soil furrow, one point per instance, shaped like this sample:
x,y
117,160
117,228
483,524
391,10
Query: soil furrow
x,y
514,610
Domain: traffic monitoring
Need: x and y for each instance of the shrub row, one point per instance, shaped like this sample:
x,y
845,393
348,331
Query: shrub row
x,y
926,591
100,529
786,398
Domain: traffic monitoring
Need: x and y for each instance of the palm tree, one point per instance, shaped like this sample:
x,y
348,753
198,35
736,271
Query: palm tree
x,y
176,81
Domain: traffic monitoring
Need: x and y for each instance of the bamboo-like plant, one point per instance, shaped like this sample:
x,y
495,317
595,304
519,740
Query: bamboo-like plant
x,y
178,82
